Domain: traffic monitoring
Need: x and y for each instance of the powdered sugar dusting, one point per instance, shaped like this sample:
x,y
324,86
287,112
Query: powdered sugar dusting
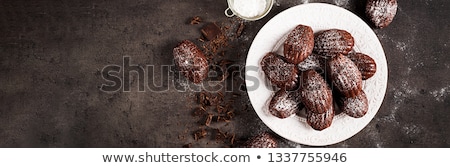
x,y
382,11
311,62
441,93
191,61
401,93
342,3
333,41
284,104
320,121
401,46
357,106
299,44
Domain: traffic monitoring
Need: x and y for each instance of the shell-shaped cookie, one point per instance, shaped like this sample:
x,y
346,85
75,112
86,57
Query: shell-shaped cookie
x,y
354,106
332,42
320,121
191,61
279,72
344,76
285,103
315,93
365,64
381,12
298,44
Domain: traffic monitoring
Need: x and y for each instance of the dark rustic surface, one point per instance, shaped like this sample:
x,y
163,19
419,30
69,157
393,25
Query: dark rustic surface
x,y
52,54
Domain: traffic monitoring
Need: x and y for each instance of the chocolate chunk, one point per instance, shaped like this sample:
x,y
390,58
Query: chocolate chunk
x,y
211,31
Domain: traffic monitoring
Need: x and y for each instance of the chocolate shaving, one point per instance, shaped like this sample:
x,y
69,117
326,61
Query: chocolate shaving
x,y
220,136
195,20
199,134
208,119
224,136
240,29
199,111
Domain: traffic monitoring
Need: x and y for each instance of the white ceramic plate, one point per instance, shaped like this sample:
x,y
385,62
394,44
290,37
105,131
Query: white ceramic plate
x,y
318,16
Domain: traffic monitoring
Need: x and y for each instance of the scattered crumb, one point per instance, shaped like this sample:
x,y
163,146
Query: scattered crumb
x,y
412,130
441,94
199,134
401,46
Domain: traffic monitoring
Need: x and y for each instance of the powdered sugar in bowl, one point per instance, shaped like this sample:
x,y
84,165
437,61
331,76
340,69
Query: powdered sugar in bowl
x,y
248,9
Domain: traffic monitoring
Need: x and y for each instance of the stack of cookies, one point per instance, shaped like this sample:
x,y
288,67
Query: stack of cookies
x,y
319,72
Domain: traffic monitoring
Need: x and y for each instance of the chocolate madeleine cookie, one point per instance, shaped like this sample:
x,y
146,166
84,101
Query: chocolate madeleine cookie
x,y
315,93
191,61
279,72
285,103
355,106
314,61
264,140
381,12
344,76
320,121
332,42
365,64
299,44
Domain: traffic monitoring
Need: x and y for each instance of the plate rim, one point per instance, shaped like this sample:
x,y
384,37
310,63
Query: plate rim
x,y
384,77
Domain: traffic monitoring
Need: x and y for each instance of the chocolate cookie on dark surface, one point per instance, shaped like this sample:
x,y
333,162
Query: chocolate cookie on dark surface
x,y
279,72
344,76
365,64
299,44
285,104
355,107
315,93
191,61
332,42
381,12
264,140
314,61
320,121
